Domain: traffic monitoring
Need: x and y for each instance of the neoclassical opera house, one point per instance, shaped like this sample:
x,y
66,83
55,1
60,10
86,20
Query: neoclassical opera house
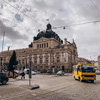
x,y
47,51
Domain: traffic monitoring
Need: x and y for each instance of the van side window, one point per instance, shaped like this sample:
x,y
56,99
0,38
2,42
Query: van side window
x,y
79,68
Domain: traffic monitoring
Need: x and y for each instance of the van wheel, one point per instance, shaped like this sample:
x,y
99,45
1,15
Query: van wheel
x,y
80,80
4,82
92,81
74,78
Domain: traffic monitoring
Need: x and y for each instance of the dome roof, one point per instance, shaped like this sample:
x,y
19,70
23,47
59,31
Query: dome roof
x,y
48,34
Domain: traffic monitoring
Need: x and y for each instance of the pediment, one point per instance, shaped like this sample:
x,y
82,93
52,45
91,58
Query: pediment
x,y
43,39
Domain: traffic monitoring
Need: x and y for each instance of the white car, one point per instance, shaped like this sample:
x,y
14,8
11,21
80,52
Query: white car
x,y
33,73
60,72
26,70
97,71
18,71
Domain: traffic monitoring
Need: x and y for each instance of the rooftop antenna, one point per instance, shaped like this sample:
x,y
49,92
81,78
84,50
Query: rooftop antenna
x,y
8,48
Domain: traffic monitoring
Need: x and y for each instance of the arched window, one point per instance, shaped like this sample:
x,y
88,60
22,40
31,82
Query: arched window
x,y
40,45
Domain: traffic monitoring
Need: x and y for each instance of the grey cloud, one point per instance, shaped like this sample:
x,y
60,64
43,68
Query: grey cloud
x,y
61,13
10,33
12,0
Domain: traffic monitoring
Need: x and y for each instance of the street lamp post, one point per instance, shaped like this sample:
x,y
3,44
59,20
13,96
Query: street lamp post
x,y
26,60
50,59
3,41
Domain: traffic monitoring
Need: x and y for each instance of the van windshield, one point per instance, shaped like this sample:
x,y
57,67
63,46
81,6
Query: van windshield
x,y
87,68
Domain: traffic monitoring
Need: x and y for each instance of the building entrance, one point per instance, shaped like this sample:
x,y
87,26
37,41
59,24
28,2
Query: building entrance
x,y
63,68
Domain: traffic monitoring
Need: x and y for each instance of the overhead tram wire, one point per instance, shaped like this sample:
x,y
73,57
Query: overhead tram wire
x,y
97,10
18,11
96,21
81,24
95,6
53,27
11,24
23,13
80,5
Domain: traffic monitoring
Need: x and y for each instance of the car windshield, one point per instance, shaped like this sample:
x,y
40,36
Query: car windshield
x,y
87,68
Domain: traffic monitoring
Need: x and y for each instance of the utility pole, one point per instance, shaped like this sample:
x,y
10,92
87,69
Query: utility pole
x,y
3,41
50,58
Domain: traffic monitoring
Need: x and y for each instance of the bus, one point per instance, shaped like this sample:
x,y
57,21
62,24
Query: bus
x,y
84,72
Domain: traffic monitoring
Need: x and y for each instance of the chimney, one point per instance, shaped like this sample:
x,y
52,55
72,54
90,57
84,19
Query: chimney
x,y
65,41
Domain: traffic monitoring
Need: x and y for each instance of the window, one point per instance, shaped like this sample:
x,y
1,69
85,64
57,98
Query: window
x,y
0,74
37,45
35,60
46,66
35,67
57,52
42,45
19,62
47,44
46,59
74,52
23,62
35,54
58,66
40,66
53,59
58,60
40,60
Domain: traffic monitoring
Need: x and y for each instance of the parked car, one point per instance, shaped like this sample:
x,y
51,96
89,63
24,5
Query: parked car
x,y
49,71
37,72
97,71
26,71
3,78
33,73
18,71
43,71
60,72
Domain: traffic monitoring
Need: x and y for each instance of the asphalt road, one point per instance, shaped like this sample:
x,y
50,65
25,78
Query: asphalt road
x,y
52,87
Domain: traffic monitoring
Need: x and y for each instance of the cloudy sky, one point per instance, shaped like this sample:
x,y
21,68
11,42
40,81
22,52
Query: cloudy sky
x,y
21,19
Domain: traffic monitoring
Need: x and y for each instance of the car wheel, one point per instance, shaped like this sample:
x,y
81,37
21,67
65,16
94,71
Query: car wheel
x,y
4,82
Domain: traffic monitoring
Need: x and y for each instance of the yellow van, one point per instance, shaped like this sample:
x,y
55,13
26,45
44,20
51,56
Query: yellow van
x,y
84,72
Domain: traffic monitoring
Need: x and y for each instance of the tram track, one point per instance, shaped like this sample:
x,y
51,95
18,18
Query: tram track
x,y
32,95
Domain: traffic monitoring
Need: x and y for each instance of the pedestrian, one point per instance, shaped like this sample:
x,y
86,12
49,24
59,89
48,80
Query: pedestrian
x,y
23,75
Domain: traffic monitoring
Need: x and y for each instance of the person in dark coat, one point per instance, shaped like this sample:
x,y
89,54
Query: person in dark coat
x,y
23,75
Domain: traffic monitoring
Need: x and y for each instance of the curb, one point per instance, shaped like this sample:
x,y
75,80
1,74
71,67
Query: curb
x,y
35,86
32,87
